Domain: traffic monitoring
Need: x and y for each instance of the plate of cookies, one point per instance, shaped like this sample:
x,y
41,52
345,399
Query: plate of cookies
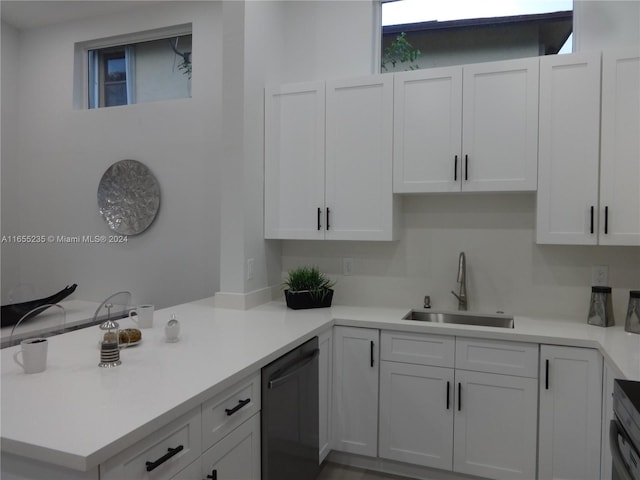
x,y
129,337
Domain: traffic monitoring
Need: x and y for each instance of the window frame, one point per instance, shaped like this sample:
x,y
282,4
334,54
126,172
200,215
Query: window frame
x,y
82,81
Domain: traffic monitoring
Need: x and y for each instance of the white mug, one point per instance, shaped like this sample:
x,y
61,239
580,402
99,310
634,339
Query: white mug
x,y
34,355
142,315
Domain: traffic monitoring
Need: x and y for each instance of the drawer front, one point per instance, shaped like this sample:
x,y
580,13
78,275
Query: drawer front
x,y
226,411
184,434
493,356
418,348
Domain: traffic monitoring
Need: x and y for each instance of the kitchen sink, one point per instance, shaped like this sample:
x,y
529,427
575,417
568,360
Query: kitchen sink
x,y
483,320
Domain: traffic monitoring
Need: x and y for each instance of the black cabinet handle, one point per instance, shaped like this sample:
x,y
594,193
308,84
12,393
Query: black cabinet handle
x,y
459,396
372,353
172,451
591,228
319,213
327,218
606,220
455,168
241,403
214,475
546,374
466,167
448,395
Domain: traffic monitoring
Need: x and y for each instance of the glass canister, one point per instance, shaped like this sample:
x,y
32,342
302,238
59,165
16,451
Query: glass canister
x,y
632,324
600,307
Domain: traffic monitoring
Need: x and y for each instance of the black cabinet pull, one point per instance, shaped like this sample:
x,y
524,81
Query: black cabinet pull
x,y
466,167
591,229
214,475
546,374
319,213
448,385
327,218
459,396
241,403
606,220
455,168
372,353
171,452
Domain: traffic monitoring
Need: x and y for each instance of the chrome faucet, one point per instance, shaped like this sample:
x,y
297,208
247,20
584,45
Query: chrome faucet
x,y
463,301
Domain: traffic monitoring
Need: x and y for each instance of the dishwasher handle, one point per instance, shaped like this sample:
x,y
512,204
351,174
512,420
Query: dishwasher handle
x,y
293,369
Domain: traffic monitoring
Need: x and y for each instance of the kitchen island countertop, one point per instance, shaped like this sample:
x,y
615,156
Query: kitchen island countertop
x,y
78,415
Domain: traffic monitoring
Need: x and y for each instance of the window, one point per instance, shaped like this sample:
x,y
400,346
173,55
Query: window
x,y
131,71
467,31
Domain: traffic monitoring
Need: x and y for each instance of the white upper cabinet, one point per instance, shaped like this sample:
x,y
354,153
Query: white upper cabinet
x,y
500,125
589,167
620,154
567,201
294,161
359,142
427,130
328,160
471,128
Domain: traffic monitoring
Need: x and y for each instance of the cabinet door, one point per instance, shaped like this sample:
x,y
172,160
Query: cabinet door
x,y
294,161
236,456
500,125
416,414
325,377
427,129
170,448
567,200
355,381
358,188
570,413
620,164
495,425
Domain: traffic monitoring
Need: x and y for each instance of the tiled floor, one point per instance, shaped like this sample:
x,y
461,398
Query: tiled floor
x,y
333,471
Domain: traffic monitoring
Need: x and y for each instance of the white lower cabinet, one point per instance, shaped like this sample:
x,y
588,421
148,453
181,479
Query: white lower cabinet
x,y
162,454
236,456
355,393
570,418
474,422
495,425
416,414
226,428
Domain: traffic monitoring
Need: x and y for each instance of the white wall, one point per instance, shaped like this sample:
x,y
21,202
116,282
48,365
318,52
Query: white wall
x,y
9,172
600,24
60,154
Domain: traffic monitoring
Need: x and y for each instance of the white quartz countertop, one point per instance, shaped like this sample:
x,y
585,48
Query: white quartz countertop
x,y
77,415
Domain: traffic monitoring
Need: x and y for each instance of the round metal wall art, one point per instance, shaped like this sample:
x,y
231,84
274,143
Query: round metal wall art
x,y
128,197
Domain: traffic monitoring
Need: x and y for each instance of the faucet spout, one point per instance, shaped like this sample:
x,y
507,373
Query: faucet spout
x,y
463,301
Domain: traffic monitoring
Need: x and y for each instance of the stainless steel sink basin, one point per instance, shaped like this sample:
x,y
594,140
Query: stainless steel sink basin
x,y
502,321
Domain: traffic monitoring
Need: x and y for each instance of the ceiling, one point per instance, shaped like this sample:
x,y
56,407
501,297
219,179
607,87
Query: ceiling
x,y
26,14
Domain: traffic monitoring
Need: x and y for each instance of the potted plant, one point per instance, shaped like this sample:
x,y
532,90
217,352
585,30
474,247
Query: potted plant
x,y
306,287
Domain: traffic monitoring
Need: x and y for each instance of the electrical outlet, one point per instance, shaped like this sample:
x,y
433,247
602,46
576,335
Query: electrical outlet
x,y
347,266
249,268
599,275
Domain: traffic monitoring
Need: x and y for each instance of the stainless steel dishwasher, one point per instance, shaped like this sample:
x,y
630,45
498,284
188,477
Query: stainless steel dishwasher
x,y
289,417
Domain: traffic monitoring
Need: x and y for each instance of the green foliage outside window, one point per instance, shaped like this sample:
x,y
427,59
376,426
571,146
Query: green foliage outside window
x,y
400,51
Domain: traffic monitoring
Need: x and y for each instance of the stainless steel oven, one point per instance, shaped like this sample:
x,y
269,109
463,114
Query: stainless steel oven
x,y
624,431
